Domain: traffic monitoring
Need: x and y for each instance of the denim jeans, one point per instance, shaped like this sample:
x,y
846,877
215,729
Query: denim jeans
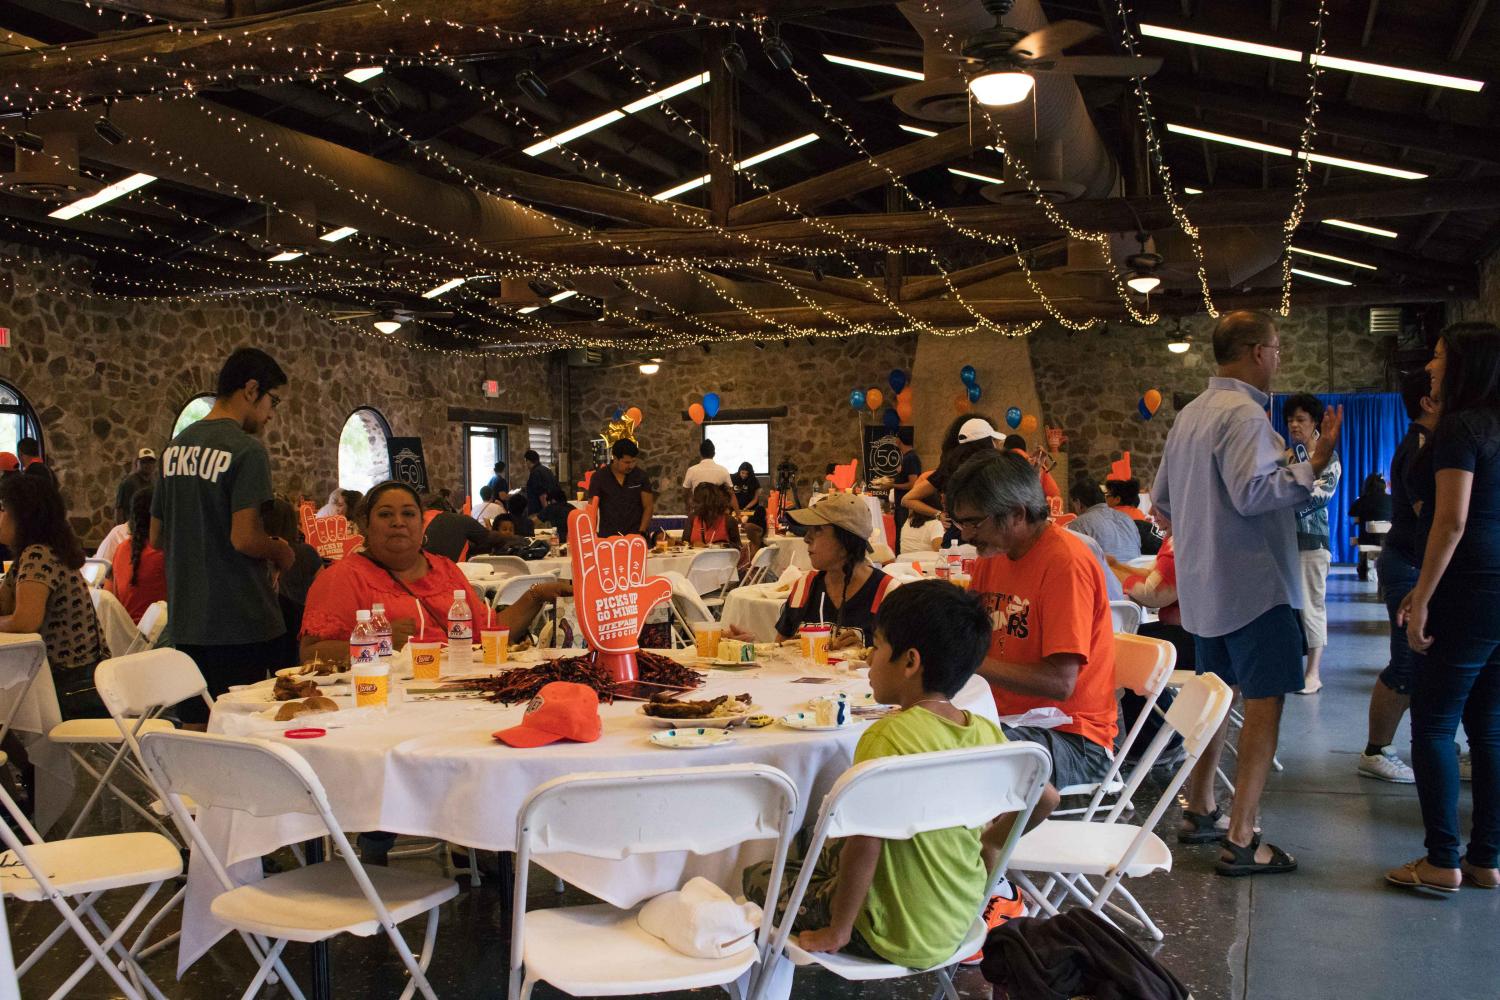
x,y
1397,578
1459,679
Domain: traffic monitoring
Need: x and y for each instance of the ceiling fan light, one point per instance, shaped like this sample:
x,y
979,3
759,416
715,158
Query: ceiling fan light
x,y
387,325
650,368
1179,346
1143,282
998,88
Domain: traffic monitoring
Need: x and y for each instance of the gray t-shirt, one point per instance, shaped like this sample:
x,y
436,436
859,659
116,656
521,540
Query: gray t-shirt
x,y
217,596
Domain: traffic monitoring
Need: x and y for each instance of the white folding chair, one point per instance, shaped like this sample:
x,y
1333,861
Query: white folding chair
x,y
504,565
1127,616
1113,850
897,798
153,623
95,571
513,589
600,950
115,624
10,989
759,570
687,607
81,870
711,571
307,904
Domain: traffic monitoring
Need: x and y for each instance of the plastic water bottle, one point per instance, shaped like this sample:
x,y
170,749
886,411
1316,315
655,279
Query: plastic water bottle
x,y
364,644
460,625
382,626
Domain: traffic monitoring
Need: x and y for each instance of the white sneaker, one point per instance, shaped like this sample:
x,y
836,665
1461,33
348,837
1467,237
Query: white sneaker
x,y
1386,766
1465,767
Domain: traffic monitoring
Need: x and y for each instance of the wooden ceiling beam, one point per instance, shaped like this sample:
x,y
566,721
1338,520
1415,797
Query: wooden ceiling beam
x,y
928,286
1217,209
862,175
150,59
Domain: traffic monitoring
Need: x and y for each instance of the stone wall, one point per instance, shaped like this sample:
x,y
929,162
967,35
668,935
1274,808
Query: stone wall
x,y
108,376
1485,308
811,380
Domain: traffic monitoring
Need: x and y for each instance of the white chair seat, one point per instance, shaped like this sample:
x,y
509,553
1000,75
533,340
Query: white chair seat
x,y
100,730
84,865
160,807
1116,786
1088,849
620,959
858,969
316,902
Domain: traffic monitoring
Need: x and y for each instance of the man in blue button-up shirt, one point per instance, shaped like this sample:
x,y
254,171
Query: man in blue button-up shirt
x,y
1231,505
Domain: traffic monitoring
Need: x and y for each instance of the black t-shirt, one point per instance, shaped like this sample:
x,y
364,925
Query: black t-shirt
x,y
857,612
128,488
556,515
1469,441
1407,537
448,533
621,505
539,483
911,468
744,489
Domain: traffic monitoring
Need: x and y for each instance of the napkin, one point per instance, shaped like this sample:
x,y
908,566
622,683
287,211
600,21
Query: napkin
x,y
1045,717
700,920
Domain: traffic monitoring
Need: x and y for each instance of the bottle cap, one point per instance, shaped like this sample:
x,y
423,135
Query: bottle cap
x,y
361,616
459,595
378,608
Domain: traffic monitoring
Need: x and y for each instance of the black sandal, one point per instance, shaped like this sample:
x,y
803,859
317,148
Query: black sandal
x,y
1205,827
1244,862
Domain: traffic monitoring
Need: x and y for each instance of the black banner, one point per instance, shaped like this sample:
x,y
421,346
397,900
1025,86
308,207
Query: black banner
x,y
882,457
407,463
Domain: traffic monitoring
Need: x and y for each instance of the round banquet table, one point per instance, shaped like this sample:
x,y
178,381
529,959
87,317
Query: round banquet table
x,y
656,564
431,769
755,609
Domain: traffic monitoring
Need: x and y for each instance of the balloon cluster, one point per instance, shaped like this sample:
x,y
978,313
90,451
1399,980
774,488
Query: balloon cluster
x,y
706,410
621,424
1149,403
873,398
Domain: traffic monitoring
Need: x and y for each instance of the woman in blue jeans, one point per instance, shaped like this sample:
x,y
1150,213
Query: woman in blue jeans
x,y
1453,615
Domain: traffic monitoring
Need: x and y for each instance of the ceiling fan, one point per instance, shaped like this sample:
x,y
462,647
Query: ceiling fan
x,y
389,316
999,61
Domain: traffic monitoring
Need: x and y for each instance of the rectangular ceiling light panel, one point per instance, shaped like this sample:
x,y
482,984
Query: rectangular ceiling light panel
x,y
874,67
1321,277
73,209
610,117
1360,227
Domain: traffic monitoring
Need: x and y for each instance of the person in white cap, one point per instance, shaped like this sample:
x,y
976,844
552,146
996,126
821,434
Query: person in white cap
x,y
966,437
138,479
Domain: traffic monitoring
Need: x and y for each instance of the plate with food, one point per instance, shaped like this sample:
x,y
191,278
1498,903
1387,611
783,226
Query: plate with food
x,y
823,716
707,713
694,738
855,699
289,710
321,672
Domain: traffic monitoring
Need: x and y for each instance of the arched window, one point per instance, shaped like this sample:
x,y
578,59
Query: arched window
x,y
196,409
364,455
17,418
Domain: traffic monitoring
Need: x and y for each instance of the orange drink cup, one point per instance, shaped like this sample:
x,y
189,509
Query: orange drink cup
x,y
495,642
707,636
815,639
960,580
372,685
426,660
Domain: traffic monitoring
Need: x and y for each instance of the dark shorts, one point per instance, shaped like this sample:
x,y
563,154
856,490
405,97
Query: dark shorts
x,y
1076,760
1263,659
225,666
1397,578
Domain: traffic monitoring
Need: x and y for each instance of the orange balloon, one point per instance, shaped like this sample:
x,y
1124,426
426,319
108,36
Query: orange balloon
x,y
961,402
635,415
903,409
1028,424
873,399
1152,399
695,411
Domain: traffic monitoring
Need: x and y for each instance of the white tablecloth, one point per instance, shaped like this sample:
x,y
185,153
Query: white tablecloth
x,y
431,769
656,564
34,718
755,609
790,551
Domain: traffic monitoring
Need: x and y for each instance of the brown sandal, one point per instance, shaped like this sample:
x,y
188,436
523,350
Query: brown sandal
x,y
1407,877
1479,878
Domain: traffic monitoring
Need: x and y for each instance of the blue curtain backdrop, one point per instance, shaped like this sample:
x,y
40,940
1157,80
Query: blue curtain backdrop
x,y
1374,424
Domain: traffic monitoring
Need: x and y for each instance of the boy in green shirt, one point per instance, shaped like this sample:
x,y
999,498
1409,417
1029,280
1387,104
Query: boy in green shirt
x,y
909,902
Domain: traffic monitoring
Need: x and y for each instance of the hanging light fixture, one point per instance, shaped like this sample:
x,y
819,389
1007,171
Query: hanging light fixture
x,y
1142,277
1000,84
387,325
1179,344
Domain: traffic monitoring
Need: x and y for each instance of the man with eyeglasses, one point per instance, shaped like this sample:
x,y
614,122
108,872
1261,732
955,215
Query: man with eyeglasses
x,y
205,513
1230,503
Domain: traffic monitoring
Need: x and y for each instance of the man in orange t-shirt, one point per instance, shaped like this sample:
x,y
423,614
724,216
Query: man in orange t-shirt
x,y
1053,641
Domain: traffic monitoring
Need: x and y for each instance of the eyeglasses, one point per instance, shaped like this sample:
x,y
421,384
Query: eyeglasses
x,y
969,523
275,400
1271,347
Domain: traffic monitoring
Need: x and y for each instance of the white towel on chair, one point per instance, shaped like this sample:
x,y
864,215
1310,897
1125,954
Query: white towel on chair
x,y
701,920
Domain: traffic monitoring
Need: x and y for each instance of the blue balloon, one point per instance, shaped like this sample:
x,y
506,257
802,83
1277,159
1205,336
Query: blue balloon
x,y
974,393
619,412
892,420
1013,417
857,398
1142,410
898,380
968,374
711,405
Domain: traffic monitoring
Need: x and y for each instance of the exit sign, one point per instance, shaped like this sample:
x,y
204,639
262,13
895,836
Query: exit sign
x,y
4,336
491,386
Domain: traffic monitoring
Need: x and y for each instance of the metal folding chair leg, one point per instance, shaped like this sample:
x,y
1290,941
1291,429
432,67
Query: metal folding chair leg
x,y
104,781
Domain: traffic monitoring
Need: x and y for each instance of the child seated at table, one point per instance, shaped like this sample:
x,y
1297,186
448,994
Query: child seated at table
x,y
908,902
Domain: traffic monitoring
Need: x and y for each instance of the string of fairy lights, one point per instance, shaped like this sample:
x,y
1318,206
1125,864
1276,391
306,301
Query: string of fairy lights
x,y
511,263
1304,160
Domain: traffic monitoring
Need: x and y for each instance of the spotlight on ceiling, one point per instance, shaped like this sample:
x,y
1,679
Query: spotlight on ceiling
x,y
650,368
387,325
108,130
734,59
998,86
531,85
776,50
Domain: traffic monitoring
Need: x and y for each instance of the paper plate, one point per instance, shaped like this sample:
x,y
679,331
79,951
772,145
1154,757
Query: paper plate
x,y
808,721
322,680
855,699
700,738
714,663
713,722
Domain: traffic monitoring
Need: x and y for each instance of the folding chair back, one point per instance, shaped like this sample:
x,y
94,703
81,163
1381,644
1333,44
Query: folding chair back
x,y
1143,665
119,630
504,565
713,569
1127,616
1197,711
153,623
685,598
759,569
22,656
242,774
142,684
95,571
515,588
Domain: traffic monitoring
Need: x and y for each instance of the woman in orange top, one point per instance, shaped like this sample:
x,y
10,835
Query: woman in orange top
x,y
709,523
139,576
416,587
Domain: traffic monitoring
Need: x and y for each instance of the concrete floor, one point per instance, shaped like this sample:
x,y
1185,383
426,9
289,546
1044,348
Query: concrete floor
x,y
1332,930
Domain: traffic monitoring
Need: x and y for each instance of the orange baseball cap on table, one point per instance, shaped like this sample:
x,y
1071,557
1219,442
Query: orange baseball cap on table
x,y
561,710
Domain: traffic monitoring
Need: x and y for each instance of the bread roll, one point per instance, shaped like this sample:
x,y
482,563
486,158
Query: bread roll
x,y
290,711
318,703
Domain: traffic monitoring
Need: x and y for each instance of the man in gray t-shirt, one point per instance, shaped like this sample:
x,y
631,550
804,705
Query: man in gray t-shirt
x,y
205,514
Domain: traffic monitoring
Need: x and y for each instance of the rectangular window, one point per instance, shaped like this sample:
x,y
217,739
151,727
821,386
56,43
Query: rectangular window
x,y
539,440
484,445
744,442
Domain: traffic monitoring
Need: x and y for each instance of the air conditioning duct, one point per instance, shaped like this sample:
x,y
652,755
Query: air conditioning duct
x,y
50,172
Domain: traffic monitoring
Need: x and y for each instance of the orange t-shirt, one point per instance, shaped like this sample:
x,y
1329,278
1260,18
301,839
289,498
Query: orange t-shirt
x,y
1053,600
1134,513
